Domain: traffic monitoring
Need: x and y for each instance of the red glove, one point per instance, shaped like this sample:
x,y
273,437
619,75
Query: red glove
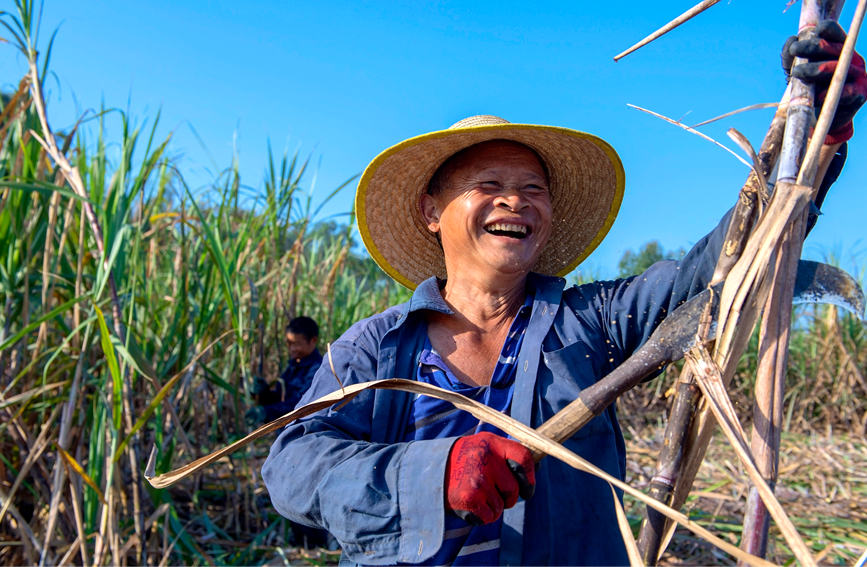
x,y
822,53
485,474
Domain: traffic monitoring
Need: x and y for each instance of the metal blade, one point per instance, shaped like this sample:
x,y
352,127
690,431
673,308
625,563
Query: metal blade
x,y
814,283
823,283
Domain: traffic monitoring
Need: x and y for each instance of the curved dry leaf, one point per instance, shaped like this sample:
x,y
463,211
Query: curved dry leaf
x,y
738,111
692,131
74,465
626,532
524,434
709,378
744,144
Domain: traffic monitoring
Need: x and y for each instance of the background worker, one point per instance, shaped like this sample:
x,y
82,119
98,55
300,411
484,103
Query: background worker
x,y
281,396
482,219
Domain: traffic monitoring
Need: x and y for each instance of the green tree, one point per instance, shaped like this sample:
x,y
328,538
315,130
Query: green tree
x,y
632,263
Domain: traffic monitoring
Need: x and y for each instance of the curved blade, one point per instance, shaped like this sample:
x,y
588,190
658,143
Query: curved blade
x,y
815,282
823,283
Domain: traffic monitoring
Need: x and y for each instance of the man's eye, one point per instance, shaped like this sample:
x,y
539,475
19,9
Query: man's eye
x,y
489,185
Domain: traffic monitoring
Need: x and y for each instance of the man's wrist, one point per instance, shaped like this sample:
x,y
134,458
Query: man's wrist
x,y
842,134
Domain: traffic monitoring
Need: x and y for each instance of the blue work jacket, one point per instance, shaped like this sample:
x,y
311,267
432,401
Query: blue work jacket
x,y
346,470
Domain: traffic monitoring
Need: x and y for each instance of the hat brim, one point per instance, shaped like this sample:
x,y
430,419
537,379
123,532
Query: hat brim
x,y
586,183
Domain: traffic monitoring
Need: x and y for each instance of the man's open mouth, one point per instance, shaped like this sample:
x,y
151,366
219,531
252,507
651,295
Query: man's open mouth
x,y
508,229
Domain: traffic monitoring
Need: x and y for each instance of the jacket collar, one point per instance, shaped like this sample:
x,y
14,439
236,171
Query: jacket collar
x,y
427,296
313,358
547,289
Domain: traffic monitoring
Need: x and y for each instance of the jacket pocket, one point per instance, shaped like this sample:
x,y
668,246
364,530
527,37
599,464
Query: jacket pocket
x,y
572,369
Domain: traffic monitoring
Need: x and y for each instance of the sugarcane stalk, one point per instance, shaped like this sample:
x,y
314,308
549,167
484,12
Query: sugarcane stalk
x,y
687,393
745,283
774,336
683,409
689,14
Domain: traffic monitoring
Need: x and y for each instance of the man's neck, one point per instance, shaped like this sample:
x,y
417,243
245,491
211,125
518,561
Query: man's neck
x,y
484,306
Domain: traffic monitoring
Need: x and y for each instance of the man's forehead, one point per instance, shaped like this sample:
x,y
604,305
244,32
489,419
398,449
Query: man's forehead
x,y
498,154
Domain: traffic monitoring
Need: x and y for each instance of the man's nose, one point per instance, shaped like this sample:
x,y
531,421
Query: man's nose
x,y
511,198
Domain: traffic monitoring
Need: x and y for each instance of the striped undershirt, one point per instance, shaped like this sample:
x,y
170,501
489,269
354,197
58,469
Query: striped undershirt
x,y
430,418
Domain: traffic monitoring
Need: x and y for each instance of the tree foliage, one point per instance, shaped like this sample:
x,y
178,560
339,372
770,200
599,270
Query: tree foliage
x,y
632,263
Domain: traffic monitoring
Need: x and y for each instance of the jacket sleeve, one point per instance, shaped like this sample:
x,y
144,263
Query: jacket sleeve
x,y
626,311
382,501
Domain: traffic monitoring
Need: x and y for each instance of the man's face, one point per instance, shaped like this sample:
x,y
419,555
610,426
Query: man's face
x,y
299,345
493,212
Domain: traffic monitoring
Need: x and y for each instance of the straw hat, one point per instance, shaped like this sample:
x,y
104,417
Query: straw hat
x,y
586,183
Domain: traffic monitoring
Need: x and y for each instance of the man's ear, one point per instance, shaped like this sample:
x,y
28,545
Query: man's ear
x,y
430,212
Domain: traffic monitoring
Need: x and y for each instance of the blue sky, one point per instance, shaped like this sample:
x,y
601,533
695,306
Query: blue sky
x,y
341,81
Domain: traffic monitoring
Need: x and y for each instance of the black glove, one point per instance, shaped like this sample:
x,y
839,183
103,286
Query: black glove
x,y
822,52
260,386
255,416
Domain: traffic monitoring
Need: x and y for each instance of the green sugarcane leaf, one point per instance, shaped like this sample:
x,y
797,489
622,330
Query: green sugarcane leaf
x,y
34,324
43,188
104,270
114,370
132,354
149,410
215,250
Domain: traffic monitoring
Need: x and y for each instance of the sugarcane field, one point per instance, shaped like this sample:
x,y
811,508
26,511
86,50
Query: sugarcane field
x,y
433,283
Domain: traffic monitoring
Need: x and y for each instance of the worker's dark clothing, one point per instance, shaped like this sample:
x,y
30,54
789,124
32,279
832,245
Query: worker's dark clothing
x,y
280,397
351,471
283,394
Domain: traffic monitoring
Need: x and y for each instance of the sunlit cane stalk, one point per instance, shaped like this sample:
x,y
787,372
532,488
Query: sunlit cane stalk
x,y
798,164
687,393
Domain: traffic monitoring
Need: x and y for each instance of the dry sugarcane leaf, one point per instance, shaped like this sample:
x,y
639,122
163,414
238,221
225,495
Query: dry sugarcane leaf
x,y
70,552
748,273
709,378
70,460
524,434
79,521
27,536
34,453
744,290
25,397
744,144
168,479
626,531
686,16
692,131
738,111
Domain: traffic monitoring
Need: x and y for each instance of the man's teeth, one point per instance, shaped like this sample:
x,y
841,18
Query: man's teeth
x,y
506,227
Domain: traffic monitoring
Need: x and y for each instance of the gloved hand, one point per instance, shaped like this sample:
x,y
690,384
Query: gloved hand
x,y
822,53
260,386
255,416
485,474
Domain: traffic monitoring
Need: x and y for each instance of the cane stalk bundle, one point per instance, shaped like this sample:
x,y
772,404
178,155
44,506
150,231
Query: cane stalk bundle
x,y
748,282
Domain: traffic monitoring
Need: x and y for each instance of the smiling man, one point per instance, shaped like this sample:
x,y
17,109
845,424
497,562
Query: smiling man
x,y
482,220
